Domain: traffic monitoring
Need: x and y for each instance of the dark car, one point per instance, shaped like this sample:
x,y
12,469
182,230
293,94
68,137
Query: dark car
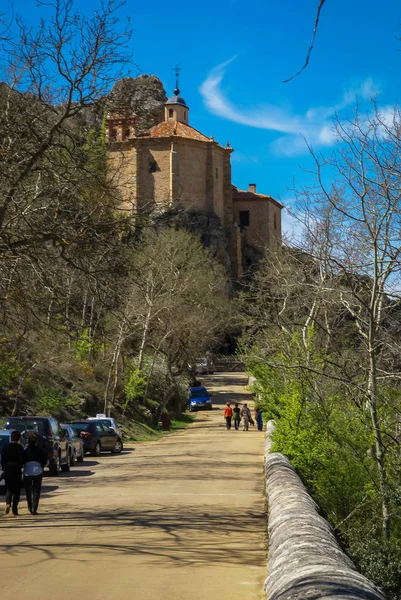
x,y
52,439
97,437
76,444
199,398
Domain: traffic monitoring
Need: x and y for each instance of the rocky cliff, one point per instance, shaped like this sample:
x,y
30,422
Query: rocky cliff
x,y
143,96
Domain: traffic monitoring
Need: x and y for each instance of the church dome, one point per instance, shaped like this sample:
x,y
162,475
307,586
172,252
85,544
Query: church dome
x,y
176,99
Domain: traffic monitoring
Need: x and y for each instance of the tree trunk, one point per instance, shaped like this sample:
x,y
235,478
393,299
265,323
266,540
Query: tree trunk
x,y
379,450
144,337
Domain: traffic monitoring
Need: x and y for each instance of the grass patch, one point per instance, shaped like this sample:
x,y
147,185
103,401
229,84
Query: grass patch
x,y
139,432
183,422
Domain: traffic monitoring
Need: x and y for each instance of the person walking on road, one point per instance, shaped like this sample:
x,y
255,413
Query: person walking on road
x,y
259,419
228,413
246,415
11,463
236,415
34,460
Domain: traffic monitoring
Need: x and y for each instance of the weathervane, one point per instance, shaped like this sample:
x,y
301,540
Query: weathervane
x,y
177,70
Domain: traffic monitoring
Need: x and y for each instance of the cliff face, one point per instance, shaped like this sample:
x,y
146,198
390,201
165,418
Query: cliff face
x,y
208,227
143,96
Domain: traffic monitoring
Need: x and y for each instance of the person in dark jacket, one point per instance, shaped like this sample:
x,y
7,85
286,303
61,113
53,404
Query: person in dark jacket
x,y
11,463
34,460
236,415
259,419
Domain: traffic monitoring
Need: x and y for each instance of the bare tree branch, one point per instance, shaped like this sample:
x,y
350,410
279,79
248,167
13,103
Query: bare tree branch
x,y
319,9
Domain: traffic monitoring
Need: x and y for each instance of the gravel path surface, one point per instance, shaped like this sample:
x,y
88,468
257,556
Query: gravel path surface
x,y
181,518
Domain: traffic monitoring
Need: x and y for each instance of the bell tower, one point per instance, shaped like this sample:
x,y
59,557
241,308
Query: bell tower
x,y
176,108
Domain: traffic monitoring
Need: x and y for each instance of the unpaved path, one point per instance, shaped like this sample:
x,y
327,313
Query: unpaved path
x,y
178,519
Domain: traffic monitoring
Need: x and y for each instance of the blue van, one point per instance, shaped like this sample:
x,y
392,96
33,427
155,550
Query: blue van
x,y
199,398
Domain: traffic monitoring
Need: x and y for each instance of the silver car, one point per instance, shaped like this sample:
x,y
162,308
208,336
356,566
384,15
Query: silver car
x,y
109,422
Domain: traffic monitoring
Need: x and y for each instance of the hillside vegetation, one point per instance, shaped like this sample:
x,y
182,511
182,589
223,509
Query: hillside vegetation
x,y
323,341
100,311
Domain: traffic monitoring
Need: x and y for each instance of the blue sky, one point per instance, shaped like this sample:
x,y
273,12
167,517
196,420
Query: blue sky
x,y
234,56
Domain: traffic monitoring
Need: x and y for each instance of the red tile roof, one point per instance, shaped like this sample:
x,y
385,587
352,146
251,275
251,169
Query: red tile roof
x,y
247,195
171,128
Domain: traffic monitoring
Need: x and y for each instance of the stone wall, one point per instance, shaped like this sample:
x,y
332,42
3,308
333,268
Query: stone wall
x,y
260,232
304,559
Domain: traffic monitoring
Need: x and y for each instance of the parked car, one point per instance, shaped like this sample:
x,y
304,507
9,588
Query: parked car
x,y
109,422
204,366
52,439
5,438
76,444
199,398
97,436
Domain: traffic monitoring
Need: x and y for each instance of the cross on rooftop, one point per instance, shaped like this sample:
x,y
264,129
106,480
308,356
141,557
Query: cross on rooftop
x,y
177,70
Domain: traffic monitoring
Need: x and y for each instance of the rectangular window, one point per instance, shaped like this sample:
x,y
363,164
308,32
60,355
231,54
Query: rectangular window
x,y
243,218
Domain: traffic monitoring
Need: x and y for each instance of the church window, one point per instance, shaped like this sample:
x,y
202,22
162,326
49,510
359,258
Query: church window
x,y
243,218
171,113
153,166
113,135
275,221
127,133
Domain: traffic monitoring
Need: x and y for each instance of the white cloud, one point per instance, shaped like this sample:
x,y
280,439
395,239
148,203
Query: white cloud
x,y
244,159
314,125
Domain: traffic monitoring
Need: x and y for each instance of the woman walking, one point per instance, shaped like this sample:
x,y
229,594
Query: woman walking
x,y
228,414
236,415
246,415
34,460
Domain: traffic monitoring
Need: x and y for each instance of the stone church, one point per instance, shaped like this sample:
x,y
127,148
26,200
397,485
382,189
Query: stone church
x,y
174,164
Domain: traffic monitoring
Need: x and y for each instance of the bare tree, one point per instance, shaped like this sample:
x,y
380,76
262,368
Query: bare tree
x,y
348,272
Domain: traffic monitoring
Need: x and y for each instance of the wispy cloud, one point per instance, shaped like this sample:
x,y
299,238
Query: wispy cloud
x,y
314,125
245,159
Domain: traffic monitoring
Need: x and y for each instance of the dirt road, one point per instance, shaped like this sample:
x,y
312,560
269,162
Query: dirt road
x,y
179,519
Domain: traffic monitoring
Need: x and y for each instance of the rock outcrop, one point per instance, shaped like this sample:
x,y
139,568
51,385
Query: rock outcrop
x,y
143,96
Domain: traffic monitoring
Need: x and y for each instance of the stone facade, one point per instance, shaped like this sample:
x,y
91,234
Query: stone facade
x,y
174,164
258,216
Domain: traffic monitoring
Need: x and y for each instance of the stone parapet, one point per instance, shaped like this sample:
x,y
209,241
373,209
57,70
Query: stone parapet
x,y
305,560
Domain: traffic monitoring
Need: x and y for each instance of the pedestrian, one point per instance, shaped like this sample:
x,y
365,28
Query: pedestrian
x,y
166,421
34,460
259,419
246,415
11,463
228,413
236,415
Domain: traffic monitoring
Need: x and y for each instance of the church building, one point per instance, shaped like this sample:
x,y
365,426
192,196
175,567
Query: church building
x,y
174,164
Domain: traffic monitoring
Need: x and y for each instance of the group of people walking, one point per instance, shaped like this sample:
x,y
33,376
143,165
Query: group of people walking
x,y
29,462
237,414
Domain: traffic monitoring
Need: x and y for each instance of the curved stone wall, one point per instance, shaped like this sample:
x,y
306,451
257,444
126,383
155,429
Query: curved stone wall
x,y
304,559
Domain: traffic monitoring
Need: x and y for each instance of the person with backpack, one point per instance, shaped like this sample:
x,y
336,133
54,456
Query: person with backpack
x,y
228,414
11,463
236,415
34,460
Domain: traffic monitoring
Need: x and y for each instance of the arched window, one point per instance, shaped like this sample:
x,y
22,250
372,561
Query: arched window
x,y
171,113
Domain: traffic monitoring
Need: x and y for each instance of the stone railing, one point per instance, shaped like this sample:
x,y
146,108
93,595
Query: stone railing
x,y
304,560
